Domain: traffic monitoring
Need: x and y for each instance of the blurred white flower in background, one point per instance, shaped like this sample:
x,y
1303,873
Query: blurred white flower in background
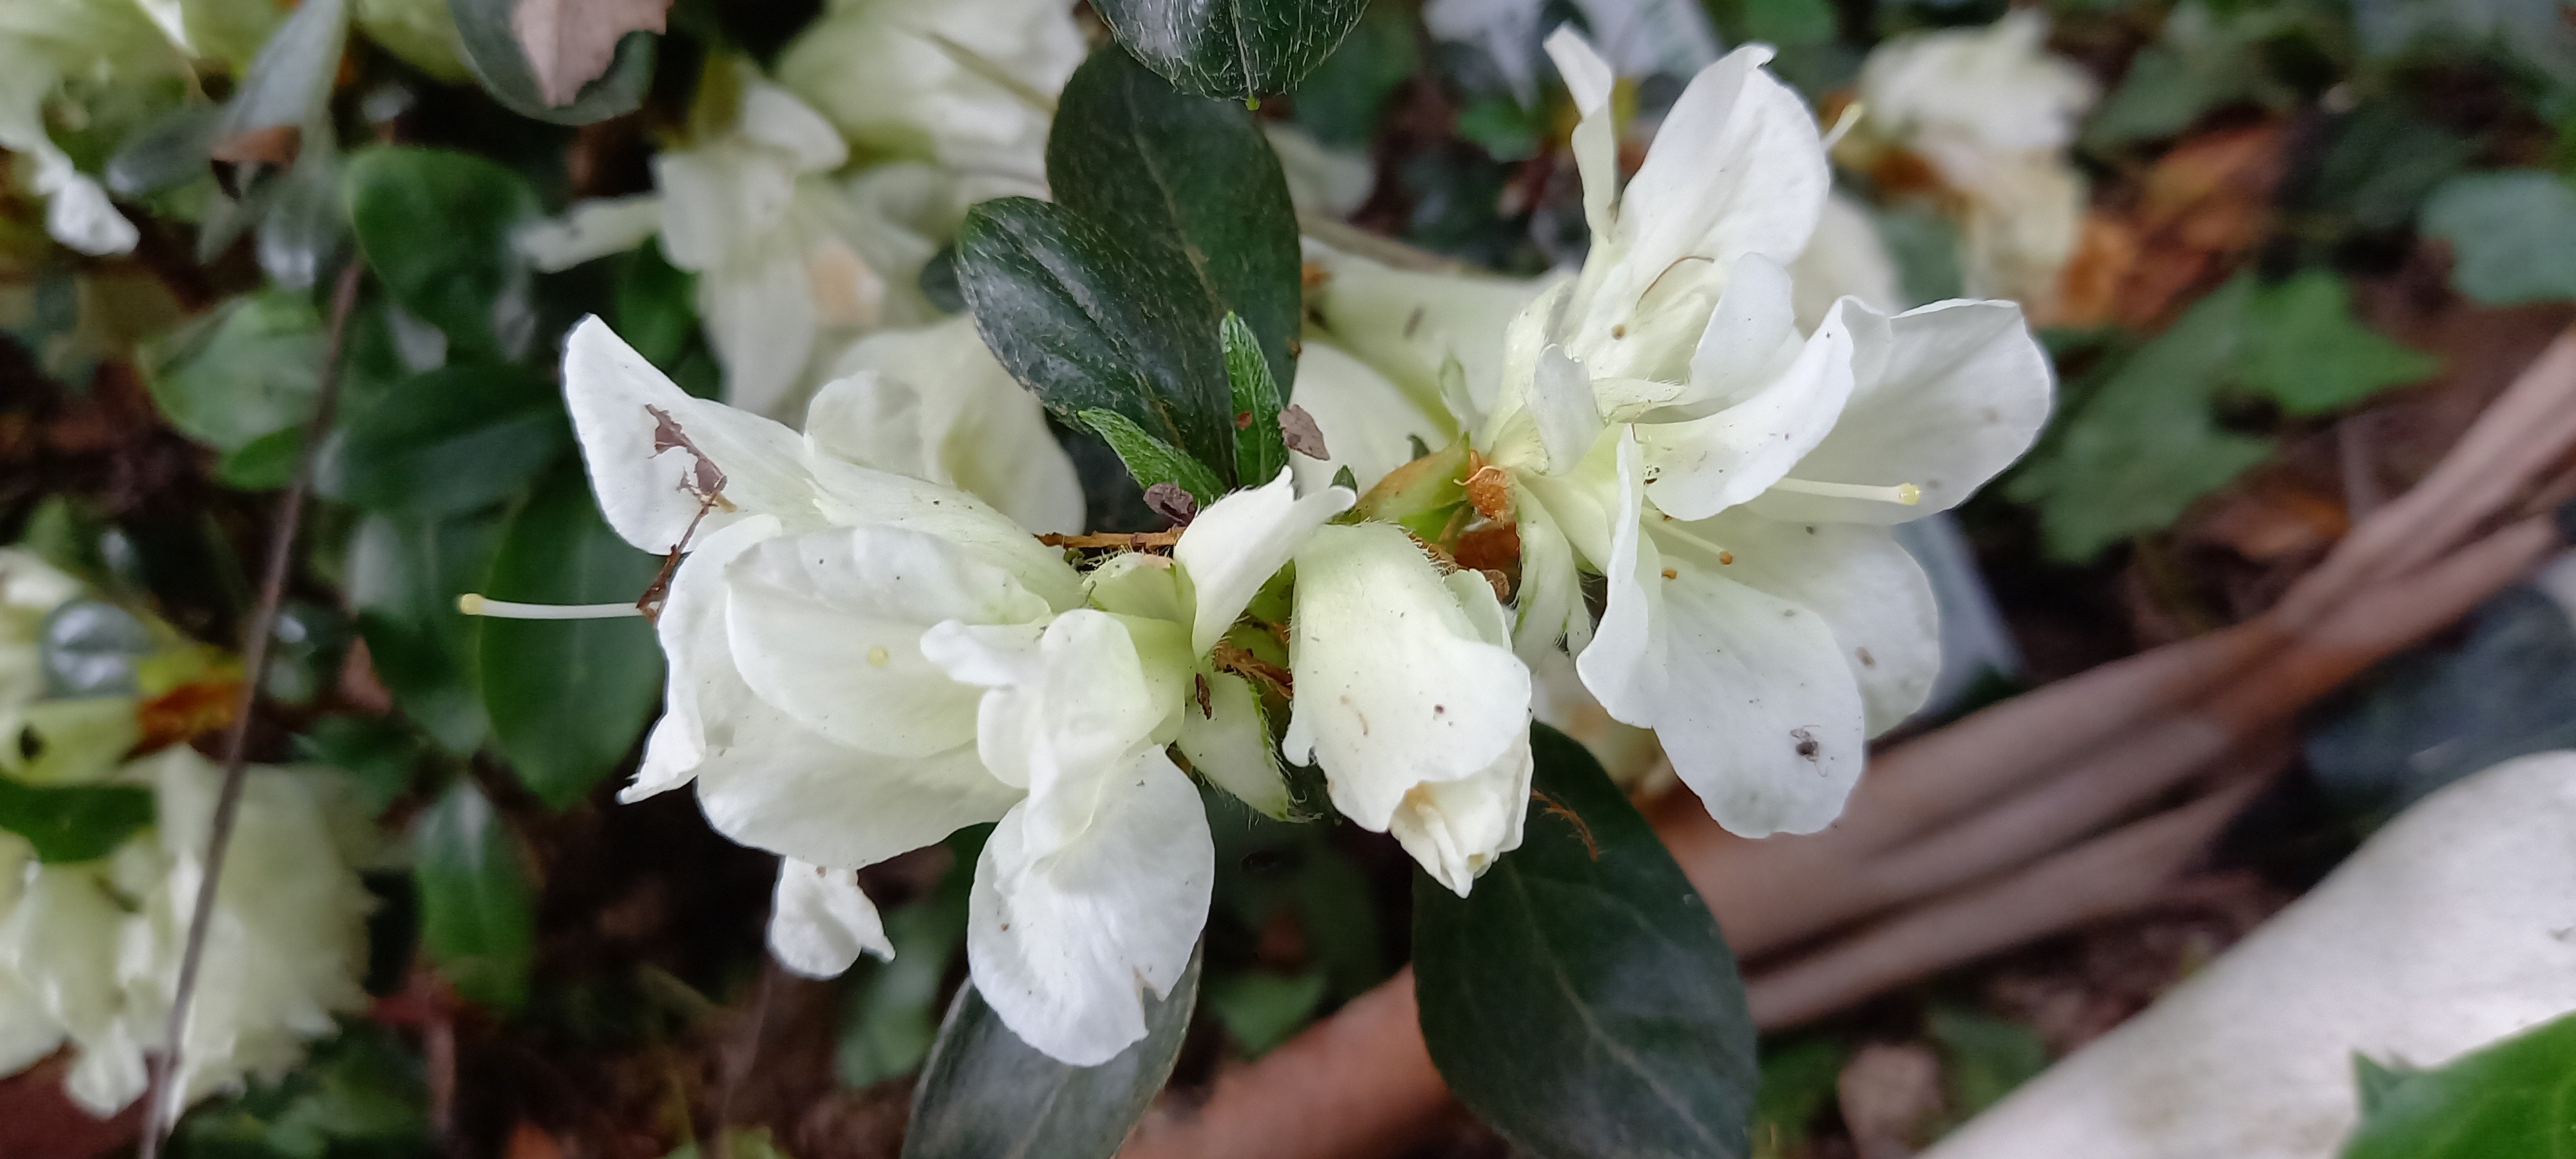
x,y
46,45
933,403
967,85
1993,113
89,951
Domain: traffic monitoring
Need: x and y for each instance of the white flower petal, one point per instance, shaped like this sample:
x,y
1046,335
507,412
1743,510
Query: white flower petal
x,y
828,626
1868,589
644,484
1943,397
934,403
1228,742
1596,138
703,694
787,789
77,210
1063,937
1457,829
720,200
1062,713
760,318
1624,664
1139,584
773,116
1368,422
1845,259
27,1032
1561,403
820,921
1549,603
1752,337
1397,680
1407,324
589,230
1238,542
1738,167
1698,468
1760,713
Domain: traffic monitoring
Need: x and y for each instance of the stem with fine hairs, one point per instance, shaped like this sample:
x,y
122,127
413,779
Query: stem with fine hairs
x,y
161,1113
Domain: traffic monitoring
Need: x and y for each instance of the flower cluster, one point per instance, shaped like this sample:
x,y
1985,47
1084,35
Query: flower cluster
x,y
866,654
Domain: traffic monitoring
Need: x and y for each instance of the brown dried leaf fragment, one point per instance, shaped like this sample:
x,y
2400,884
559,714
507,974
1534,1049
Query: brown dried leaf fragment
x,y
1301,433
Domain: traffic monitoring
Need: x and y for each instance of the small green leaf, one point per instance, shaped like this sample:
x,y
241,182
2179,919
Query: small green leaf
x,y
250,369
2512,235
2516,1097
1151,460
404,577
1984,1058
73,822
1346,97
435,227
1261,1010
567,698
2306,351
493,54
985,1093
463,436
477,909
1237,50
1260,452
262,464
1581,1000
1798,1079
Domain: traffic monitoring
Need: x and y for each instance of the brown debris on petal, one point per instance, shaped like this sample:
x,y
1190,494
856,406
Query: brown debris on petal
x,y
1303,436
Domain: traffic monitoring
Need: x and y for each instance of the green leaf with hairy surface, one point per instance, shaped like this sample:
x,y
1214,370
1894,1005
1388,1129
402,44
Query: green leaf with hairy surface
x,y
477,907
464,436
435,227
1170,212
404,575
986,1094
1234,49
1260,450
493,54
73,822
2516,1097
2143,445
250,369
2512,235
567,697
1581,1000
1151,460
2306,351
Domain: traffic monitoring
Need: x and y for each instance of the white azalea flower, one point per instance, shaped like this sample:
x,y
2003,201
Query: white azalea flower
x,y
1994,113
862,663
784,253
968,85
45,44
935,404
89,952
1409,697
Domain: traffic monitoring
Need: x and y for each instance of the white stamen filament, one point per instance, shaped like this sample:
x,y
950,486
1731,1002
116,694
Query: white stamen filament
x,y
1843,123
1905,493
474,604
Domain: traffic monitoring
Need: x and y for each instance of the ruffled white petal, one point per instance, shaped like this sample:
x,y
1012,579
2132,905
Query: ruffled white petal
x,y
1943,397
1869,590
1234,546
828,626
820,921
703,696
1596,139
1703,466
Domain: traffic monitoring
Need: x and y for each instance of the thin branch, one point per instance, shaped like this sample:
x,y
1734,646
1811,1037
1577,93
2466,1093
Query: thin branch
x,y
162,1113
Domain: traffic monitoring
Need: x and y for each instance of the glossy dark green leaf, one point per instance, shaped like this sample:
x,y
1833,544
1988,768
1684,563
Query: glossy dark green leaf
x,y
1260,450
73,822
250,369
567,698
1234,49
404,575
379,756
2516,1097
1170,212
457,438
984,1094
435,227
1581,1000
1152,460
477,908
1192,180
492,53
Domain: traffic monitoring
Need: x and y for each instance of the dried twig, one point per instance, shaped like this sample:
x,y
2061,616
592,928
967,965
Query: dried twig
x,y
162,1112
